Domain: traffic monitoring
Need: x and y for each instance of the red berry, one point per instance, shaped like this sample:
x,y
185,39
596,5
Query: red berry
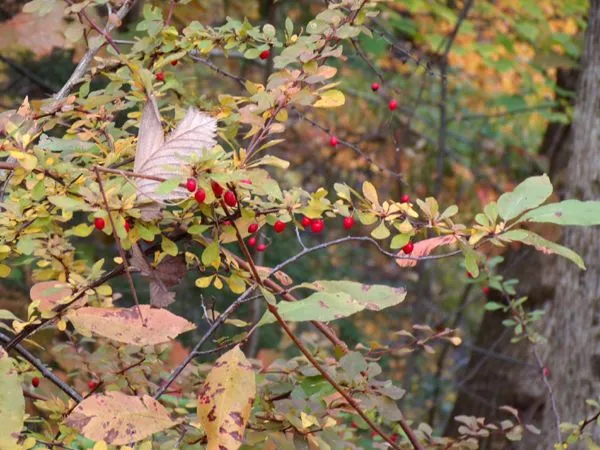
x,y
486,290
127,226
375,87
253,228
92,385
305,222
160,76
35,381
348,222
261,247
246,181
392,105
230,199
546,372
190,184
174,62
317,225
279,226
227,223
216,188
469,275
408,248
394,438
252,241
200,195
265,54
99,223
405,199
353,425
333,141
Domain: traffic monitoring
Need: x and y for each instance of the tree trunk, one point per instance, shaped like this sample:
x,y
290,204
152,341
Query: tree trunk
x,y
571,298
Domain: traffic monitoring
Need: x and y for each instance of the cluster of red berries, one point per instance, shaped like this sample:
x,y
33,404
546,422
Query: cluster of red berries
x,y
100,223
229,197
392,104
253,228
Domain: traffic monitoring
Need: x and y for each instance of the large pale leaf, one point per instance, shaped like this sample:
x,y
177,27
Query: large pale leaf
x,y
225,400
530,193
158,157
125,324
424,248
12,403
543,245
568,212
337,299
118,419
50,293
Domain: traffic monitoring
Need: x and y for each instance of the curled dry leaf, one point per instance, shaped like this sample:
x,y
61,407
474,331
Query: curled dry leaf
x,y
156,326
165,158
118,419
225,400
12,403
280,276
166,275
424,248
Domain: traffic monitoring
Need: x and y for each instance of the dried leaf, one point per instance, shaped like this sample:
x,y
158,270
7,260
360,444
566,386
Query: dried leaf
x,y
158,157
166,275
118,419
225,400
12,403
50,293
424,248
280,276
125,324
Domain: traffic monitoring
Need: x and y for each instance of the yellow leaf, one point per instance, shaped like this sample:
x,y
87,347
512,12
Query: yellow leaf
x,y
4,271
225,400
27,161
100,445
370,193
118,418
307,420
330,99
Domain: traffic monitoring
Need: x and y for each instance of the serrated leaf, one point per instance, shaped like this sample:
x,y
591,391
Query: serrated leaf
x,y
12,403
542,245
156,326
118,419
337,299
568,212
530,193
225,400
160,157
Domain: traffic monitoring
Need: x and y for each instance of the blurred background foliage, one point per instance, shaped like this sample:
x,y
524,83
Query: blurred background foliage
x,y
481,94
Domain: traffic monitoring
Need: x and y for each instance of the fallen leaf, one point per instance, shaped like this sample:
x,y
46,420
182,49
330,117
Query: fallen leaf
x,y
125,324
424,248
160,157
225,400
118,419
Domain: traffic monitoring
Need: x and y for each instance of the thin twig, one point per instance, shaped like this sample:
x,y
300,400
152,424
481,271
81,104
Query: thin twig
x,y
118,242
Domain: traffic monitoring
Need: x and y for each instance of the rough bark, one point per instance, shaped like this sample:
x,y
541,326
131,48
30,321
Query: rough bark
x,y
571,298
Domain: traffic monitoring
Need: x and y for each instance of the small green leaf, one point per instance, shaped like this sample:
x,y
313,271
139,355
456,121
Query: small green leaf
x,y
330,99
399,241
381,232
68,203
530,193
82,230
211,255
168,186
169,247
493,306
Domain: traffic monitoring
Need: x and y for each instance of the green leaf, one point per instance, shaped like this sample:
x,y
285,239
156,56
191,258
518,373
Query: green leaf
x,y
493,306
568,212
543,245
210,255
399,241
381,232
67,203
82,230
12,403
167,186
169,247
530,193
337,299
471,262
353,363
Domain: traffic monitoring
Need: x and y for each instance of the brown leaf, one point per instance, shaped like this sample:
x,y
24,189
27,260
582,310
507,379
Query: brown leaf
x,y
281,276
50,293
125,324
166,275
225,400
118,419
158,157
38,34
424,248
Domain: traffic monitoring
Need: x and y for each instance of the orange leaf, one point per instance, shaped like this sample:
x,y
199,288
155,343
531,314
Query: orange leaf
x,y
424,248
156,326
